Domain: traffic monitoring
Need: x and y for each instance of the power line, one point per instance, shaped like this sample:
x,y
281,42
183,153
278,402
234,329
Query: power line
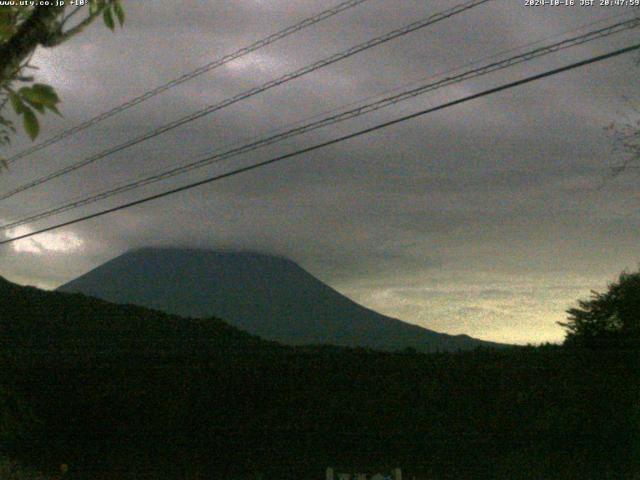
x,y
307,22
590,36
318,146
340,117
399,88
254,91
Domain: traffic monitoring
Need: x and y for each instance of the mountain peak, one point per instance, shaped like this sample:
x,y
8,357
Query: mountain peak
x,y
263,294
180,253
203,251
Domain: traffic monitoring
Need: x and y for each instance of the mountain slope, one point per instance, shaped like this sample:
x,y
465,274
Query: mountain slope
x,y
264,295
36,322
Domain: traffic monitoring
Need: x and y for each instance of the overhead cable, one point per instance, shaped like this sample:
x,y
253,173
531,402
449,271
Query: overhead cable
x,y
340,117
412,27
307,22
334,141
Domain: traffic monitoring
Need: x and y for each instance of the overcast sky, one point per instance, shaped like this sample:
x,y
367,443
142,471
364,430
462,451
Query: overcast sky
x,y
484,219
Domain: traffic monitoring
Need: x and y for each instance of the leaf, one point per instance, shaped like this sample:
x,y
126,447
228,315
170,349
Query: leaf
x,y
31,124
6,18
16,103
31,98
38,106
108,19
6,31
119,11
40,94
54,109
43,87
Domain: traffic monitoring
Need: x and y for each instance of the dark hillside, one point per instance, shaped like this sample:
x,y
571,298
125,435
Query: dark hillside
x,y
117,392
74,324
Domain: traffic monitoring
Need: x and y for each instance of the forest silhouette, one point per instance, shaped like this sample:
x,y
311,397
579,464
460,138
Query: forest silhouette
x,y
126,392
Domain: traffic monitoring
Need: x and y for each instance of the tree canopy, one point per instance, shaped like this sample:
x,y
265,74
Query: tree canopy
x,y
610,319
24,28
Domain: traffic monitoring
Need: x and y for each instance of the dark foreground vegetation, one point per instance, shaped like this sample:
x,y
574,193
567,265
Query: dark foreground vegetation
x,y
126,392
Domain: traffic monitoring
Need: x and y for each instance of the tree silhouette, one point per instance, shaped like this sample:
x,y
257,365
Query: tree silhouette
x,y
26,26
607,320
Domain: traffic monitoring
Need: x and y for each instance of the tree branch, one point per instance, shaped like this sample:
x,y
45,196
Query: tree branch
x,y
60,36
34,31
68,17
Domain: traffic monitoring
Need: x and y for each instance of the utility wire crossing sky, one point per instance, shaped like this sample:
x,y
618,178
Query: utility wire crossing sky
x,y
364,109
333,142
412,27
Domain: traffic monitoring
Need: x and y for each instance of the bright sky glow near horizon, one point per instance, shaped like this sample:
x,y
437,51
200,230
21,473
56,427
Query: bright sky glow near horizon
x,y
486,219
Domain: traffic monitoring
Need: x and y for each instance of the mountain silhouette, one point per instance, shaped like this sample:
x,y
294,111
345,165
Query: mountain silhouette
x,y
265,295
37,322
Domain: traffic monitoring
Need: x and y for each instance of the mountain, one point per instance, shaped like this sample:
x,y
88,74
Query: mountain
x,y
34,322
268,296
